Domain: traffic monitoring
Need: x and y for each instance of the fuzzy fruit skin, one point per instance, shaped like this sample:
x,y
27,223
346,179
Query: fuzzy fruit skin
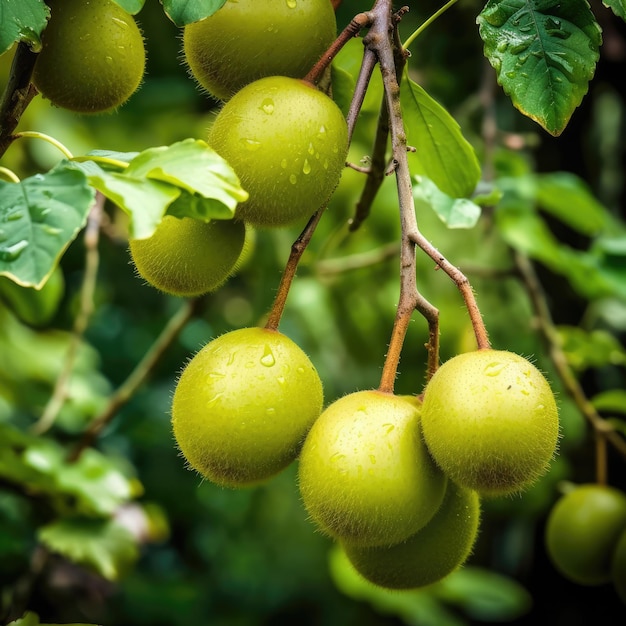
x,y
364,472
583,530
618,567
93,56
287,142
490,421
187,257
243,406
435,551
251,39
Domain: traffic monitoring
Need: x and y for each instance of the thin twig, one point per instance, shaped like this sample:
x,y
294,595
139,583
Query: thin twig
x,y
59,394
331,267
137,377
550,335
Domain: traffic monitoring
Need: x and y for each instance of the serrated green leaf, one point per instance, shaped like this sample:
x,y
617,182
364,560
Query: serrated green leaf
x,y
131,6
442,153
39,217
613,401
544,53
617,6
195,167
453,212
22,21
183,12
568,198
102,545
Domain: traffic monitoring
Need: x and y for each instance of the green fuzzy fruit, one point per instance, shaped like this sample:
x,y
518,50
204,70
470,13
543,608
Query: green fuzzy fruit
x,y
93,56
187,257
435,551
490,421
250,39
287,142
243,406
618,567
365,474
583,531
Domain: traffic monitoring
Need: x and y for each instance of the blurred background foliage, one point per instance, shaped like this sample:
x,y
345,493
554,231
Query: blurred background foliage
x,y
132,537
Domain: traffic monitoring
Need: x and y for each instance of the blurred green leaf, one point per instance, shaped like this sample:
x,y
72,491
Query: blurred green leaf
x,y
485,595
23,21
590,349
343,88
39,218
453,212
544,55
32,619
183,12
569,199
613,401
442,153
102,545
131,6
617,6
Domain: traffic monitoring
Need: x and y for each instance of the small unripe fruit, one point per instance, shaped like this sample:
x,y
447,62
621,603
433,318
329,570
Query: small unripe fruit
x,y
93,56
583,531
364,472
250,39
490,421
243,406
435,551
287,142
188,257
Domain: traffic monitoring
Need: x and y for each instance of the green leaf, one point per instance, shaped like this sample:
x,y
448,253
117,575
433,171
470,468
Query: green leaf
x,y
144,200
195,167
453,212
569,199
617,6
22,21
343,88
484,595
442,153
131,6
613,401
102,545
183,12
544,53
590,349
39,217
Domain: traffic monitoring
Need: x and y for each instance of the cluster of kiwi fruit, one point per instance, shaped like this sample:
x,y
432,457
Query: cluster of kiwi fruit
x,y
396,480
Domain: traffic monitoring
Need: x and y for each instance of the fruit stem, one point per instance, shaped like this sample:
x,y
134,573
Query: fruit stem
x,y
33,134
358,22
10,175
17,95
297,250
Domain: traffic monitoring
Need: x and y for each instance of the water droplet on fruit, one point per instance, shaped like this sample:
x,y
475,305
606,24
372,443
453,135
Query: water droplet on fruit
x,y
251,144
214,399
85,37
325,164
280,380
217,375
249,365
306,167
388,427
494,369
231,358
372,459
109,60
293,179
311,149
270,410
267,106
300,370
12,253
268,359
335,458
292,4
283,163
121,23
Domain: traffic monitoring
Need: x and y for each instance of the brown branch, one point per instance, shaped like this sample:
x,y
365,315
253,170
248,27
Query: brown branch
x,y
17,95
